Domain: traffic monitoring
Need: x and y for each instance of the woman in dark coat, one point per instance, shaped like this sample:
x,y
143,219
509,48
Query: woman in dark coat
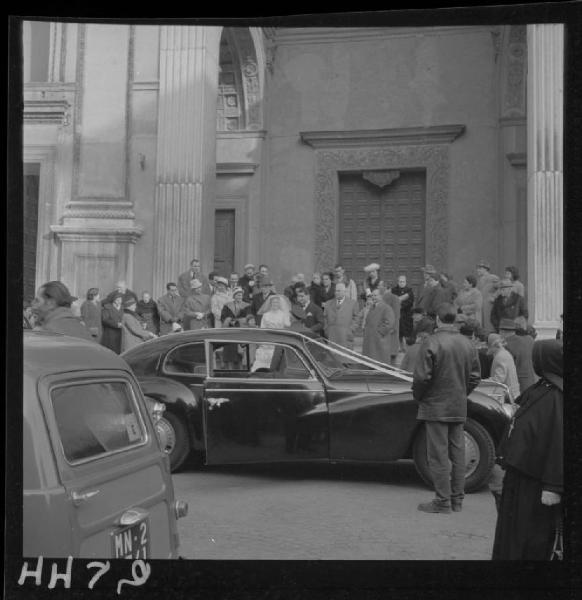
x,y
147,309
532,455
111,319
91,313
406,296
507,305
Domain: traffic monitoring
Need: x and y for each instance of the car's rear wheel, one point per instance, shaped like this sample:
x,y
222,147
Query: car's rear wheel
x,y
174,439
479,456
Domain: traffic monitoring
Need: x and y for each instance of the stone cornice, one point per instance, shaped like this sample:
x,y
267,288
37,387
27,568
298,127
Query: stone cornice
x,y
236,168
328,35
68,233
233,135
438,134
46,111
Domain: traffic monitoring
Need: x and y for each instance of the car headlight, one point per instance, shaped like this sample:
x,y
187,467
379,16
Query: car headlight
x,y
157,411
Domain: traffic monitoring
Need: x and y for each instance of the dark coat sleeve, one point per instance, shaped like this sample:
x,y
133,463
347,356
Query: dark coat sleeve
x,y
423,370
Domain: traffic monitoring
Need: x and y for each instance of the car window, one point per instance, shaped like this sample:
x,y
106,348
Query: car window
x,y
96,418
189,358
257,360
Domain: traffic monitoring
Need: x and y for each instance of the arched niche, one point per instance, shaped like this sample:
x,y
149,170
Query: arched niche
x,y
240,80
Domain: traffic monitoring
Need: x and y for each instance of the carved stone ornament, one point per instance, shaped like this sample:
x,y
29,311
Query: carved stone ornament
x,y
434,158
381,179
514,101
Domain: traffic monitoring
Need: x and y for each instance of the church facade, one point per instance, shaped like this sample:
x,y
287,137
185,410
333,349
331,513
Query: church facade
x,y
148,145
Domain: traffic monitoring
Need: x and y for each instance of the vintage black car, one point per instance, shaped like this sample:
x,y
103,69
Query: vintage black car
x,y
247,395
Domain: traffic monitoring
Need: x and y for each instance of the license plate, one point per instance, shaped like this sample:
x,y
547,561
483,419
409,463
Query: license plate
x,y
132,541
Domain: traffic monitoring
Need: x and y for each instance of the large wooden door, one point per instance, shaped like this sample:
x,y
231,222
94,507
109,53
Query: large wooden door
x,y
224,232
30,227
384,225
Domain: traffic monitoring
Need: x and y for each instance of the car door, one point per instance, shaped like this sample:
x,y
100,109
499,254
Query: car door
x,y
264,414
115,476
372,415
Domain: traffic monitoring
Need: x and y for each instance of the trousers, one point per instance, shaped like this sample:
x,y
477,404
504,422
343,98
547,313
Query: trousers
x,y
445,444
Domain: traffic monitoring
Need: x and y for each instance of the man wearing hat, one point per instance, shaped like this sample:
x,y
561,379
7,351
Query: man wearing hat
x,y
487,284
446,371
52,307
247,281
258,299
521,348
196,307
507,305
503,366
431,294
193,273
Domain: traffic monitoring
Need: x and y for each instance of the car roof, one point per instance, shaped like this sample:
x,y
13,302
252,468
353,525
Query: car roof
x,y
226,334
45,353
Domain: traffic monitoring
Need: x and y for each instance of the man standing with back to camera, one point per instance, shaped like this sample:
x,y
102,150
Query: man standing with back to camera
x,y
446,371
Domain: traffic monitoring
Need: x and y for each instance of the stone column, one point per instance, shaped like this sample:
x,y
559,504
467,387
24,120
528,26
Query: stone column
x,y
186,151
544,175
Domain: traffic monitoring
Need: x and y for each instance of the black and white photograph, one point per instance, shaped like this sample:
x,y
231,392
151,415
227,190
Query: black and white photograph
x,y
293,292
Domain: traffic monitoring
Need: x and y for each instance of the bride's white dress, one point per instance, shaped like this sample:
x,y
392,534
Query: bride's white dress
x,y
272,319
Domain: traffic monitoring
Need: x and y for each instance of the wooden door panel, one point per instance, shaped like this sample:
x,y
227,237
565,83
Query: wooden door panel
x,y
384,225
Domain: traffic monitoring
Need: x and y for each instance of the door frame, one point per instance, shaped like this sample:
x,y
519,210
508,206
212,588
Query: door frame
x,y
238,204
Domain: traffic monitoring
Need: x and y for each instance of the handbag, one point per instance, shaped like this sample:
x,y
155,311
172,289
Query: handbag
x,y
558,545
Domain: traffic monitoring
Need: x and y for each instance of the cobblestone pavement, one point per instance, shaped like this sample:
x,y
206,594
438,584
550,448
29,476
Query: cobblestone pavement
x,y
318,511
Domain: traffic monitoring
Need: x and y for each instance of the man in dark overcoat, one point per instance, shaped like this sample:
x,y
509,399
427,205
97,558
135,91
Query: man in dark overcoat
x,y
446,371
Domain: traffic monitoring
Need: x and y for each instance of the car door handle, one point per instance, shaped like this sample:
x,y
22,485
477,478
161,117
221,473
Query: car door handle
x,y
78,499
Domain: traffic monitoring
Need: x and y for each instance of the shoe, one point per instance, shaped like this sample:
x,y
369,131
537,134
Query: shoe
x,y
435,506
456,506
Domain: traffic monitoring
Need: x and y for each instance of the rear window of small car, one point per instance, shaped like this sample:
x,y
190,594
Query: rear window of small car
x,y
96,419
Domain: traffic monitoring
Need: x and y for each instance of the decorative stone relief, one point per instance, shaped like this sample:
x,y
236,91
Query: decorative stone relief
x,y
329,162
515,72
381,179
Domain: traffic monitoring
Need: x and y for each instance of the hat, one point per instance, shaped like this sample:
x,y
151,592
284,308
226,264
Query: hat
x,y
195,284
59,292
129,302
429,269
507,324
484,263
372,267
494,339
249,266
505,283
220,279
237,290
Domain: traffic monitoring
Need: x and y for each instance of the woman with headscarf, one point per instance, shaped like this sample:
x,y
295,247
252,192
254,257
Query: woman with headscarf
x,y
532,455
275,314
111,317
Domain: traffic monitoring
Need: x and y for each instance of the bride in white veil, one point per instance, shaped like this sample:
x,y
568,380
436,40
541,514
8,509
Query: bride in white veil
x,y
276,314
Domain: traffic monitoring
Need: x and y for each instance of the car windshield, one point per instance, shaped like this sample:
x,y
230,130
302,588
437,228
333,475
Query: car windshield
x,y
335,361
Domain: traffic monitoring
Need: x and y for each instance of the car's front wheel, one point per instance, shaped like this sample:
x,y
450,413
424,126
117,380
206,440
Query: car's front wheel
x,y
479,456
174,439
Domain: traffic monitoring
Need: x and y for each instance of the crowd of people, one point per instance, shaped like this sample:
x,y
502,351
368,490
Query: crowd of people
x,y
451,337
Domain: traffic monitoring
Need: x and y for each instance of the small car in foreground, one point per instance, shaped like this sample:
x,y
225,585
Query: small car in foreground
x,y
96,482
311,400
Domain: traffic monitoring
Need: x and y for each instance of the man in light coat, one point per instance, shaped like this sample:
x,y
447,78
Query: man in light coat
x,y
503,366
340,317
171,309
380,324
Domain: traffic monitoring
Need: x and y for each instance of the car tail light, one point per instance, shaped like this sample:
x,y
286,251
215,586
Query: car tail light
x,y
180,508
157,411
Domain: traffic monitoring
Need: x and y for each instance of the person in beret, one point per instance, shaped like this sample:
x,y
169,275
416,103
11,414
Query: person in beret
x,y
507,305
52,307
487,284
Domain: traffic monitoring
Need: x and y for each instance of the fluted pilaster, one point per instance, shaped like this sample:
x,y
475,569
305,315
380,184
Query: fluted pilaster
x,y
186,151
545,175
